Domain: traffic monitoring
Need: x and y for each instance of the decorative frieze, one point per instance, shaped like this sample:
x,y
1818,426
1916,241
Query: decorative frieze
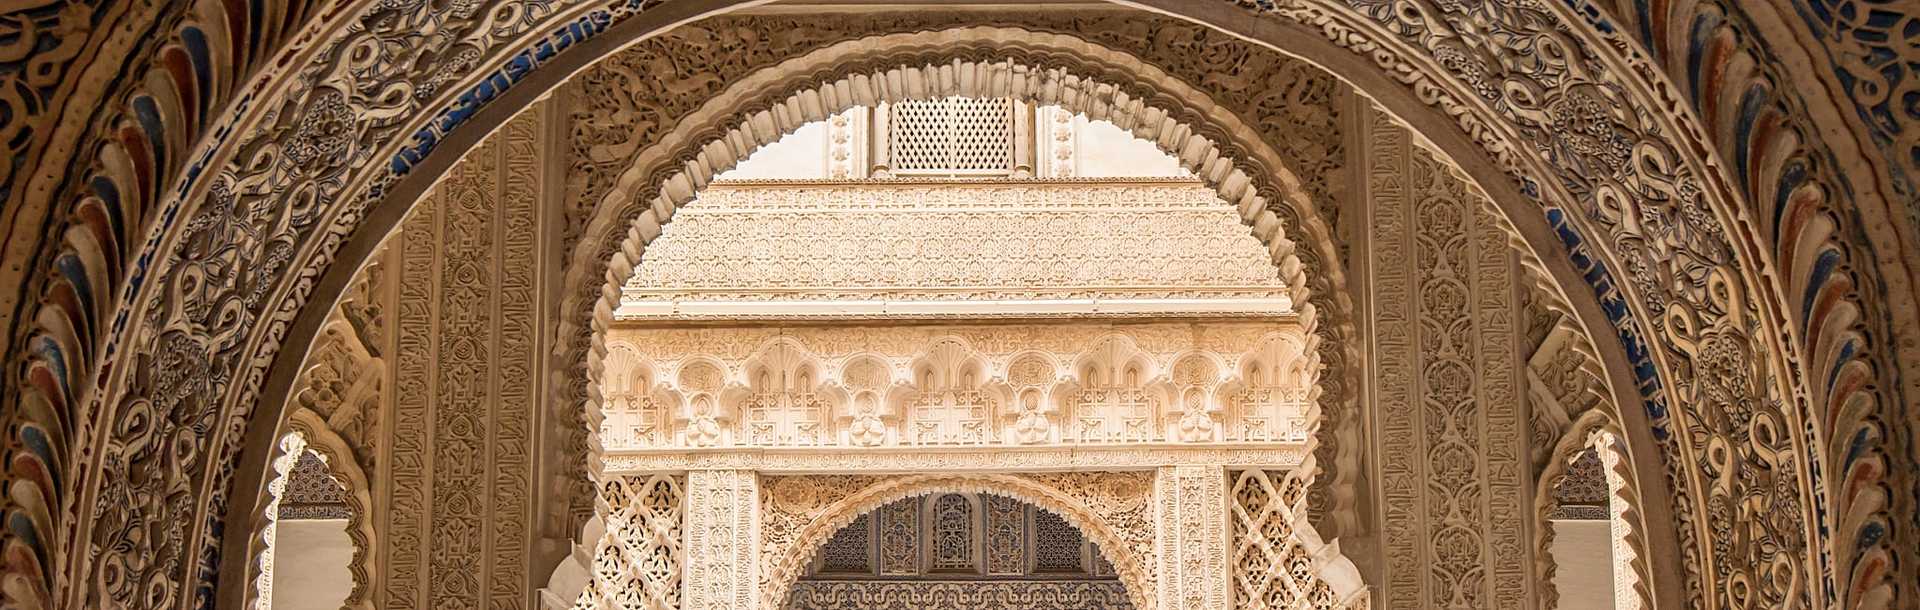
x,y
682,391
961,595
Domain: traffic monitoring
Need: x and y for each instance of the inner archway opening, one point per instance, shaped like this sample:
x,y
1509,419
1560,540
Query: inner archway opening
x,y
980,286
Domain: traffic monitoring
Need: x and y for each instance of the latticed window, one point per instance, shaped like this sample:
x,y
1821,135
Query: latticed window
x,y
952,136
965,536
1057,545
850,550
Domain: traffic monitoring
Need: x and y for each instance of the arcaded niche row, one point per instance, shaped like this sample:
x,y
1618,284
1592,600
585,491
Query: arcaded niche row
x,y
916,385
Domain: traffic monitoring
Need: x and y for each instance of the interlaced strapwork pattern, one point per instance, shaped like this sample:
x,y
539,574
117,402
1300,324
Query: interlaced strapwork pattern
x,y
849,550
1056,544
1270,569
955,135
900,537
638,563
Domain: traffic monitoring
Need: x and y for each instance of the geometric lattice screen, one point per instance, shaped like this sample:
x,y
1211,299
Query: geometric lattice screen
x,y
952,136
637,564
1270,569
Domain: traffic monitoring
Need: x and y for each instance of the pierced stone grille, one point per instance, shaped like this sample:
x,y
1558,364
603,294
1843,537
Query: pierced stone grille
x,y
849,549
953,533
952,136
1057,545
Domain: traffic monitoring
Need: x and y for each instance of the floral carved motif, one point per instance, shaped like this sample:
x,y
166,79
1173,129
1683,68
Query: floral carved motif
x,y
947,241
1293,92
1825,280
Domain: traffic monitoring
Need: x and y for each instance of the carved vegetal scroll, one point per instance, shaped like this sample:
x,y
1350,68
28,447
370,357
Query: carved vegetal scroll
x,y
1297,103
1191,536
464,371
723,541
1448,391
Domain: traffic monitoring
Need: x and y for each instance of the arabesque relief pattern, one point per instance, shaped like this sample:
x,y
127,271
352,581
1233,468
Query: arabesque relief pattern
x,y
1684,285
1839,322
966,595
1192,538
1453,437
955,241
438,421
724,543
958,385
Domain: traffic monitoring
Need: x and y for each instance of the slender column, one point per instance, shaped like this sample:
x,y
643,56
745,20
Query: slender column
x,y
722,540
879,134
1190,527
1023,139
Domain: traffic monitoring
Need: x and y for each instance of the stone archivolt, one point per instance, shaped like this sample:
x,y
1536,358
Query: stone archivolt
x,y
1034,385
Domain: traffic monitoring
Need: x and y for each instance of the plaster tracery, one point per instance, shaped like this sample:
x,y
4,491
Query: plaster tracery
x,y
777,249
1273,566
1296,102
958,385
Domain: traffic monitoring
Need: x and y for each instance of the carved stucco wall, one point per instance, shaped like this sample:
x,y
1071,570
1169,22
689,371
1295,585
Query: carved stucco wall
x,y
776,249
429,371
1447,386
75,171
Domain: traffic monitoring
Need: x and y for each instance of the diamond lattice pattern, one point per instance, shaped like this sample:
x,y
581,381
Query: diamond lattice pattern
x,y
956,135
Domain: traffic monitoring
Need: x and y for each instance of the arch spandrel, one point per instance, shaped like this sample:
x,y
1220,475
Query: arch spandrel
x,y
1853,321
